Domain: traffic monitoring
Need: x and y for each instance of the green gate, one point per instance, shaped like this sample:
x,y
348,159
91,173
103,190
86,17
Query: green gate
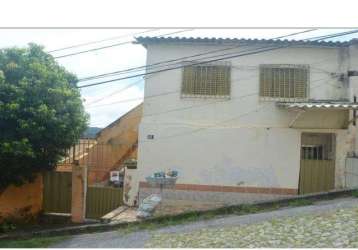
x,y
57,192
316,176
102,200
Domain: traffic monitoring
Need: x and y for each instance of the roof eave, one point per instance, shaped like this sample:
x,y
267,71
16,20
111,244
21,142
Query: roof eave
x,y
227,41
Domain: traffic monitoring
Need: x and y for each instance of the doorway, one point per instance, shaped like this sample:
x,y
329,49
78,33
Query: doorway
x,y
317,164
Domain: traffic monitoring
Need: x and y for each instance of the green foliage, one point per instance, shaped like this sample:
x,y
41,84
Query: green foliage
x,y
6,227
355,193
41,242
41,113
300,202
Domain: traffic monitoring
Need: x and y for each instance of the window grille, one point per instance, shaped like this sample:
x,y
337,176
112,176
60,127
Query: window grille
x,y
206,81
284,82
313,152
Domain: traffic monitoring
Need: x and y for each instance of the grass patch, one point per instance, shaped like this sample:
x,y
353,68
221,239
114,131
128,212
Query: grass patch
x,y
40,242
164,222
355,193
299,203
193,216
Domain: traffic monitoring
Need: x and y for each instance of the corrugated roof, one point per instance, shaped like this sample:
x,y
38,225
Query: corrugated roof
x,y
206,40
318,105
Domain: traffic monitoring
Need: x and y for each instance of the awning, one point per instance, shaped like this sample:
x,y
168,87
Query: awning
x,y
319,105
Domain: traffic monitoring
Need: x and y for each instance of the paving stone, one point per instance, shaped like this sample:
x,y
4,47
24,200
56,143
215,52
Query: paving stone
x,y
335,229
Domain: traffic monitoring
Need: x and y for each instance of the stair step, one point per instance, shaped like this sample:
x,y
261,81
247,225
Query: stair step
x,y
108,217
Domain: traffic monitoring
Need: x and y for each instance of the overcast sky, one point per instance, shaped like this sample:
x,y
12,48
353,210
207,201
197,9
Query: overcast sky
x,y
100,101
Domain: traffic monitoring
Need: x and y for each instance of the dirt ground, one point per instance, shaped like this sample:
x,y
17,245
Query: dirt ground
x,y
172,207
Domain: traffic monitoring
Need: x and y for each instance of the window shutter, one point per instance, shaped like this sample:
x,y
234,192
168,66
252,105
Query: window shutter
x,y
284,81
206,80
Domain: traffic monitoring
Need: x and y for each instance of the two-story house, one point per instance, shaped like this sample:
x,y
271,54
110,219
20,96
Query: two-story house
x,y
241,126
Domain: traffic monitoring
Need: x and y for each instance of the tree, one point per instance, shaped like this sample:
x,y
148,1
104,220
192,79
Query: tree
x,y
41,113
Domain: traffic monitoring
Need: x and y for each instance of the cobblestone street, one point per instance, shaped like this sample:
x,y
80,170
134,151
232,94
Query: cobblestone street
x,y
332,229
326,223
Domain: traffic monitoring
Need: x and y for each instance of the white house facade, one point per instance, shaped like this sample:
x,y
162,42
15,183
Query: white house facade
x,y
241,125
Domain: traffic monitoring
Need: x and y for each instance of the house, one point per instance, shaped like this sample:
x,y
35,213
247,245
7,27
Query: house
x,y
108,150
267,125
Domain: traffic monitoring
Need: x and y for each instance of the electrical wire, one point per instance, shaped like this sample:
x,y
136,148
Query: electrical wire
x,y
197,105
158,64
172,92
230,55
113,45
205,104
178,91
103,40
208,126
116,92
216,101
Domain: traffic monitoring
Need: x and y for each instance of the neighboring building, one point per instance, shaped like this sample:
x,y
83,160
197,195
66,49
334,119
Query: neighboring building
x,y
115,143
111,146
266,125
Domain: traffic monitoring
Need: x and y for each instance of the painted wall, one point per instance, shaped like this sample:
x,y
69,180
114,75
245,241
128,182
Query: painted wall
x,y
243,141
123,131
119,140
113,145
21,202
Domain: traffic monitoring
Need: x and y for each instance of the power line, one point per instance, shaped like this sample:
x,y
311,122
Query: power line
x,y
215,102
207,127
263,49
158,64
316,39
103,40
130,100
178,91
117,91
210,126
201,105
255,93
113,45
140,98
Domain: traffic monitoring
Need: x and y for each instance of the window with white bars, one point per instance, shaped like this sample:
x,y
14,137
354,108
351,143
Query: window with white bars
x,y
284,81
313,152
206,81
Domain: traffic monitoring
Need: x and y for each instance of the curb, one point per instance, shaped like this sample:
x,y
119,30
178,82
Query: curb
x,y
102,227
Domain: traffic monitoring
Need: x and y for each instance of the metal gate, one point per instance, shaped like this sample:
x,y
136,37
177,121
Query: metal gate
x,y
317,162
351,172
102,200
57,192
316,176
